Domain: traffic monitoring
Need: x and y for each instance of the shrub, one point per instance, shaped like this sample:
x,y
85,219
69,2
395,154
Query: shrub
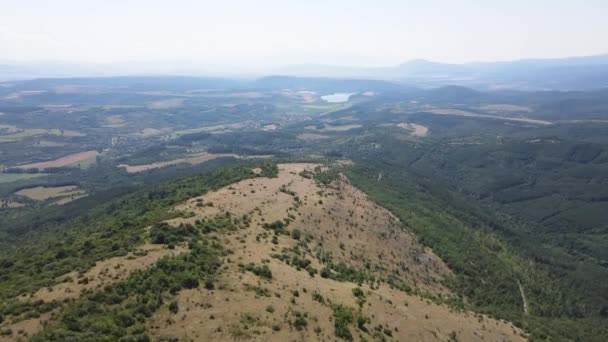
x,y
343,316
174,307
316,296
261,271
300,322
358,292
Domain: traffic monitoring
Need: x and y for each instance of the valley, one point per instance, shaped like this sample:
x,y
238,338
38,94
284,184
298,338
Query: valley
x,y
146,208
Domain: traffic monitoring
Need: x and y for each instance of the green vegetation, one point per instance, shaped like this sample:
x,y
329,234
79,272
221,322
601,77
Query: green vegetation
x,y
300,322
13,177
262,271
504,203
343,317
118,312
487,268
108,230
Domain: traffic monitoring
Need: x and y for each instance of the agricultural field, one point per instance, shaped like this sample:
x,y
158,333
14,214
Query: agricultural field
x,y
192,160
13,177
59,194
76,159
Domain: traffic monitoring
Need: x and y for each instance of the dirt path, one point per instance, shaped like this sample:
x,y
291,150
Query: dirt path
x,y
523,297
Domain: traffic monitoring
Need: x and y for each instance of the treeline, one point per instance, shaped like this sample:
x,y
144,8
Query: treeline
x,y
33,170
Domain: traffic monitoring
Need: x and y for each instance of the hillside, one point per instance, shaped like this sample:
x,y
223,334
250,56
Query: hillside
x,y
298,256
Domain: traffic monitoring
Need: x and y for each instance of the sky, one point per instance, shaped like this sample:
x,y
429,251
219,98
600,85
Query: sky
x,y
263,33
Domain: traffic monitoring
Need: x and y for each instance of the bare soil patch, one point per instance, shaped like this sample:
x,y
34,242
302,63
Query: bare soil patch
x,y
497,108
114,121
464,113
149,132
415,129
163,104
312,136
22,330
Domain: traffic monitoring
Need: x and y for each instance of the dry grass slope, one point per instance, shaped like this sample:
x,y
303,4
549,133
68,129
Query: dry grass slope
x,y
293,305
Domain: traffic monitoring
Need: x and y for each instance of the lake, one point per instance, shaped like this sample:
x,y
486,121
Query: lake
x,y
337,97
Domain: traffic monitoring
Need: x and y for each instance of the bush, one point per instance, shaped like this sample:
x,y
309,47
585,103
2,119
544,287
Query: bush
x,y
300,322
316,296
343,316
261,271
361,320
174,307
358,292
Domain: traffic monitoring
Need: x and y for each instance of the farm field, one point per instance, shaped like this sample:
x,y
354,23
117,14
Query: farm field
x,y
69,160
12,177
41,193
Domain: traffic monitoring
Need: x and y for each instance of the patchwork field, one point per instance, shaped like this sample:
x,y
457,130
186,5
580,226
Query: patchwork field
x,y
312,136
164,104
68,160
11,133
210,129
497,108
415,129
13,177
464,113
60,194
114,121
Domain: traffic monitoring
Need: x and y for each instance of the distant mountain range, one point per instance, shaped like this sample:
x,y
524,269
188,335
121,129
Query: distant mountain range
x,y
588,72
575,73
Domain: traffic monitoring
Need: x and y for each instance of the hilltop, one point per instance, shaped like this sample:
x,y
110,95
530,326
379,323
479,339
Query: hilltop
x,y
302,255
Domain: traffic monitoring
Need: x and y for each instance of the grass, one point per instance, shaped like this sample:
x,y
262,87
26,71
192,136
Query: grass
x,y
14,177
41,193
84,164
25,133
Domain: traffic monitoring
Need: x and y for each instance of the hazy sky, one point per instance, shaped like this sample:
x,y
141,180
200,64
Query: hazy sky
x,y
261,33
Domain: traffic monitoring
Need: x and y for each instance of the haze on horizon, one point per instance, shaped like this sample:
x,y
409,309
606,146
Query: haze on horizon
x,y
270,33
